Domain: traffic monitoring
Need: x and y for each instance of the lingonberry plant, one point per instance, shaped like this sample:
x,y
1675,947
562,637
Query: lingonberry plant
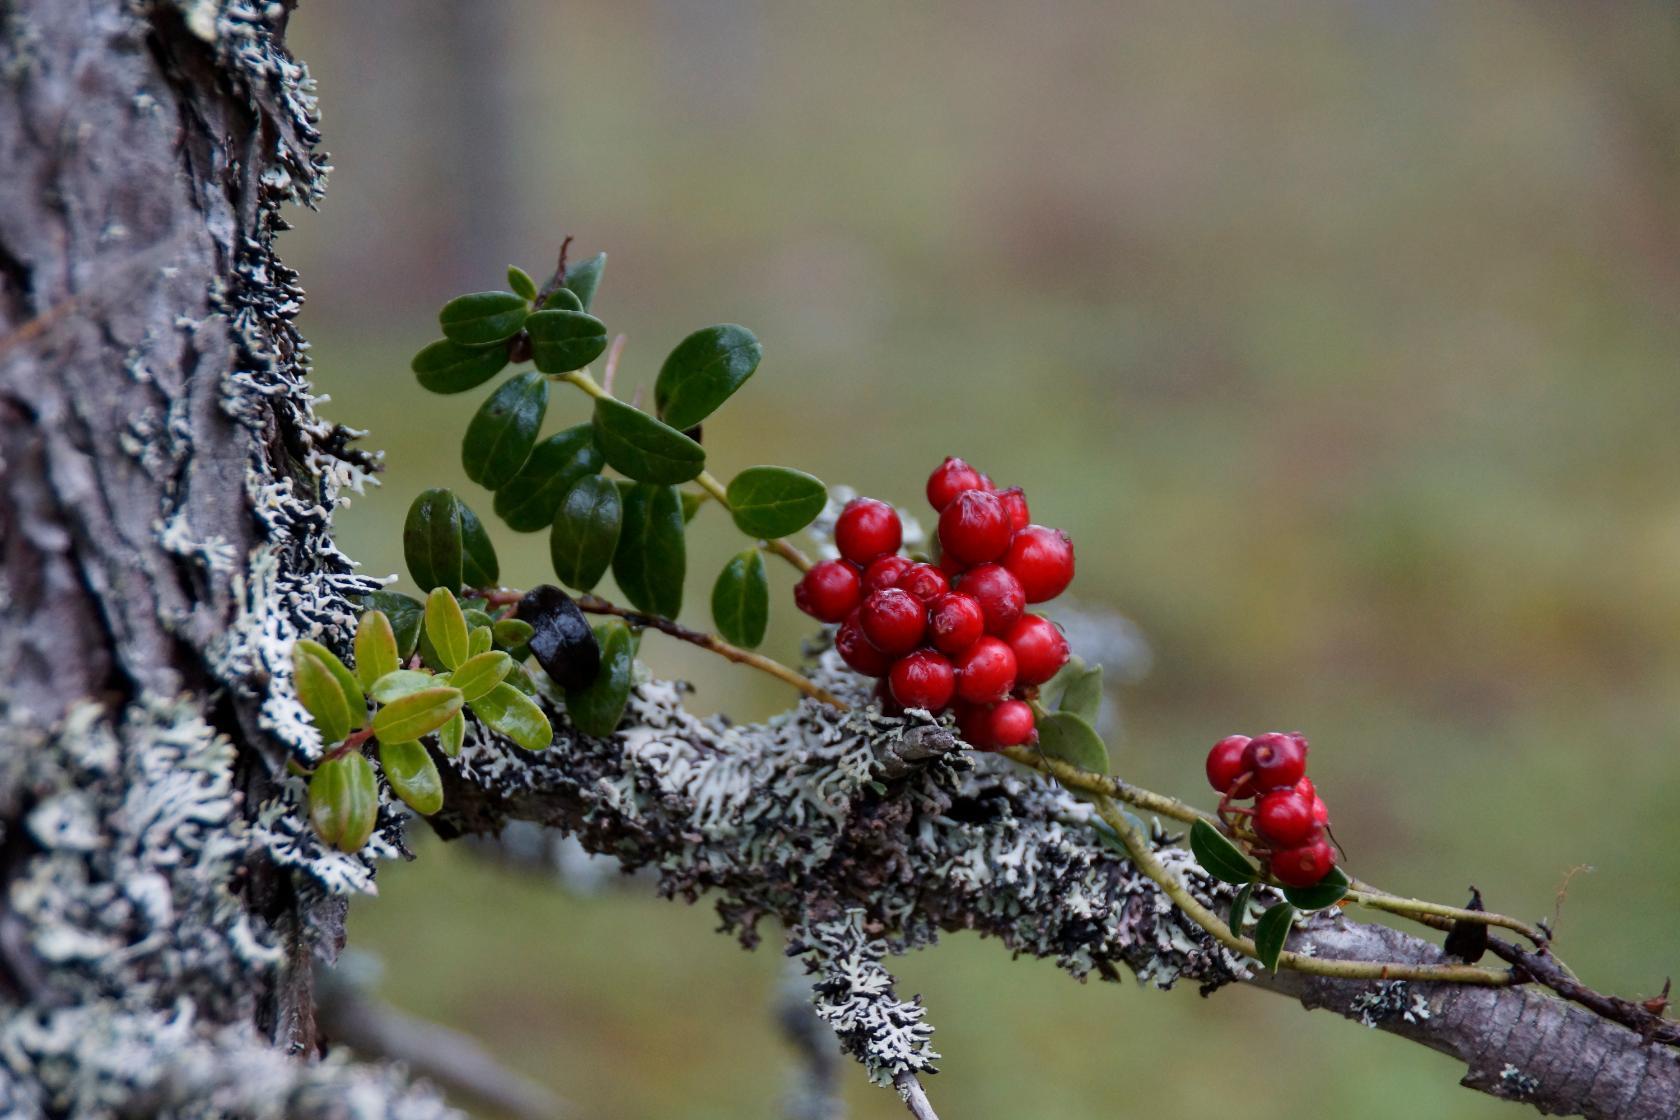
x,y
946,633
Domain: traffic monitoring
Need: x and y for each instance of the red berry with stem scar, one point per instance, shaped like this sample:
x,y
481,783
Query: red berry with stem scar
x,y
924,679
894,620
867,529
1277,760
974,528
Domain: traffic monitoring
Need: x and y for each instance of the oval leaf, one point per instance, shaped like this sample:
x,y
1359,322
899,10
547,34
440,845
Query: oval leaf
x,y
479,640
479,567
1082,693
483,318
511,633
640,447
502,433
1219,857
561,639
1065,736
527,503
404,612
446,628
564,339
444,367
1270,933
344,801
703,371
399,683
583,278
562,299
376,648
597,709
355,703
651,559
418,713
585,532
1326,892
321,696
451,735
522,284
1239,908
432,540
773,502
413,776
510,712
478,675
741,599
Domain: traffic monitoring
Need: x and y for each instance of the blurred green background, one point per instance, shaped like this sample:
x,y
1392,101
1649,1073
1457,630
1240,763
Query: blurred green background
x,y
1341,337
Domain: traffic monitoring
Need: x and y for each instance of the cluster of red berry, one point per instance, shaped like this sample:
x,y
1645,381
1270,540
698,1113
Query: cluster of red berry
x,y
955,632
1288,821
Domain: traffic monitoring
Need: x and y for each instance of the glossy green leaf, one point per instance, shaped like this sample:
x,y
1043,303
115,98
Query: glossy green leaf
x,y
404,613
520,678
511,633
479,640
418,713
1219,857
476,616
703,371
563,340
445,367
452,734
344,801
446,628
651,559
528,501
399,683
773,502
1066,736
483,318
510,712
562,299
1082,693
355,703
597,709
432,540
478,675
691,504
413,776
479,566
583,278
585,532
319,692
1239,908
1326,892
640,447
501,434
741,599
521,283
1270,933
376,648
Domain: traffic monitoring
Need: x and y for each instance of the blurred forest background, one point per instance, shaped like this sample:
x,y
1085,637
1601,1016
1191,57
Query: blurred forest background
x,y
1342,337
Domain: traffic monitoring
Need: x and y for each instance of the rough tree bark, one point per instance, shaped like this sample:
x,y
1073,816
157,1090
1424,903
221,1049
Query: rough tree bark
x,y
165,502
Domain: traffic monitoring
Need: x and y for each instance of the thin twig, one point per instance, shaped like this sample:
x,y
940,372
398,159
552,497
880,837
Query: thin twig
x,y
594,604
615,352
909,1087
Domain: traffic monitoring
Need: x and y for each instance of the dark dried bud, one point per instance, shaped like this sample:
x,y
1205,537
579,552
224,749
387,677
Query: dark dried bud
x,y
561,639
519,347
1468,940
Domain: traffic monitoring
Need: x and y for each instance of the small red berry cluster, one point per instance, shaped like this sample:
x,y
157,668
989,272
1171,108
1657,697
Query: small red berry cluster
x,y
956,632
1287,825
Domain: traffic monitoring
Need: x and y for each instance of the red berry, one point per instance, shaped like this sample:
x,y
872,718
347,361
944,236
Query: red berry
x,y
985,671
1014,502
885,572
857,650
974,528
949,479
1012,724
894,620
1225,764
884,697
1306,789
1277,760
829,591
1321,811
951,566
1040,649
922,680
974,724
925,582
1284,819
866,529
1303,866
1042,559
955,622
999,595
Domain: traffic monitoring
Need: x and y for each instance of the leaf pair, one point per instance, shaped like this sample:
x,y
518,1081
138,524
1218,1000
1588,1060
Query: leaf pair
x,y
445,545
